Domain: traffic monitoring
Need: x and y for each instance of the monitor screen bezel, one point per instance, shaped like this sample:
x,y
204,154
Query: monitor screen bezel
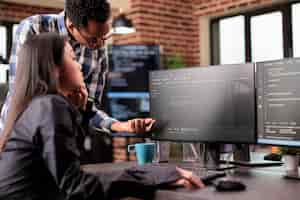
x,y
275,142
254,139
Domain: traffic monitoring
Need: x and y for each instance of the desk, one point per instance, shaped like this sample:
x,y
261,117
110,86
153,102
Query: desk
x,y
262,184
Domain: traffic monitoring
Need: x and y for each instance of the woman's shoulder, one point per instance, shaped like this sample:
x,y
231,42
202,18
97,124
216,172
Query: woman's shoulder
x,y
48,109
50,103
50,100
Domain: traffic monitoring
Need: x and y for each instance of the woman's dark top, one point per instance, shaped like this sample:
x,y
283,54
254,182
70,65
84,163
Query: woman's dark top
x,y
41,158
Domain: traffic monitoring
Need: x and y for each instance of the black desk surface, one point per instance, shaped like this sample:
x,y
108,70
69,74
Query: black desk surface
x,y
262,184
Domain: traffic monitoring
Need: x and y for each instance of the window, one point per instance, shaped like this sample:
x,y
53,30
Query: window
x,y
266,37
15,26
3,42
261,35
6,35
3,56
296,29
232,42
3,73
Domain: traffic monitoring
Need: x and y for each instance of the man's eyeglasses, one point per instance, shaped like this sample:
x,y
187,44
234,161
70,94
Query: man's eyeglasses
x,y
95,40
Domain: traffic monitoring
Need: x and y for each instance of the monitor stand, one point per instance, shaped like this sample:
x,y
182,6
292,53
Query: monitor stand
x,y
295,177
210,157
241,156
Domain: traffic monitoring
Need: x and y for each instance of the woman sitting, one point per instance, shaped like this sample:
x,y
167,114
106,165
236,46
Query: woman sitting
x,y
40,149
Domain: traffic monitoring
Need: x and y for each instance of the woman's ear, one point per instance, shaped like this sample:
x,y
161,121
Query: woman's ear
x,y
56,72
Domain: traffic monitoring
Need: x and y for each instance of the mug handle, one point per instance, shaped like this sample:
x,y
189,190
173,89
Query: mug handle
x,y
131,148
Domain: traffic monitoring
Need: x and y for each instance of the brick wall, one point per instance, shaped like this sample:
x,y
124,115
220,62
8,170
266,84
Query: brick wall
x,y
120,152
169,23
213,7
174,24
15,12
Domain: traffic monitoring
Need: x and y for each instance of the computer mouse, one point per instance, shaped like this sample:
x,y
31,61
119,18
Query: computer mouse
x,y
230,185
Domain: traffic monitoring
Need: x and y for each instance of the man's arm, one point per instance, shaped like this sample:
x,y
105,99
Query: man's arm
x,y
138,125
102,120
108,124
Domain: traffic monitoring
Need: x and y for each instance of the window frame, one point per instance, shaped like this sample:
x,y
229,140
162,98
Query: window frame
x,y
9,35
291,28
5,32
287,28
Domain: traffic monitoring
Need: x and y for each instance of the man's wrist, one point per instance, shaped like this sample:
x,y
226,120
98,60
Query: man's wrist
x,y
107,124
110,126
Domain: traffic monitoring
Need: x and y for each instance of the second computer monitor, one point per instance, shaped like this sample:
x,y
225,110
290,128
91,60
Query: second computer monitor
x,y
204,104
278,102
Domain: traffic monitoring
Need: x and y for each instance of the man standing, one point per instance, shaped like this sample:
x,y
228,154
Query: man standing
x,y
85,24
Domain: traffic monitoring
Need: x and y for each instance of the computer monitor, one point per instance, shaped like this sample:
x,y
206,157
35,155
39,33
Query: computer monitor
x,y
129,66
128,105
278,102
124,106
204,104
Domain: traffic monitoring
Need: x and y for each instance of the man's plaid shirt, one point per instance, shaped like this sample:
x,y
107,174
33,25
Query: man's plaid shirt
x,y
94,66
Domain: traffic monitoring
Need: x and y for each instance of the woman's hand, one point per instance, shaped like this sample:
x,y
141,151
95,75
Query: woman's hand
x,y
79,97
188,180
139,126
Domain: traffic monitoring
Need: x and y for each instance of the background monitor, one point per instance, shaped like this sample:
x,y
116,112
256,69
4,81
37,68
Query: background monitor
x,y
129,67
278,102
128,105
204,104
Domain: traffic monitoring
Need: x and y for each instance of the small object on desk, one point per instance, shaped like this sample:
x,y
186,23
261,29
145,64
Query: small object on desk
x,y
229,185
144,152
273,157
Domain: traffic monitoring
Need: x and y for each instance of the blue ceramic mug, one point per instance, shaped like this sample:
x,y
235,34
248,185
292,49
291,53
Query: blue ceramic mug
x,y
144,152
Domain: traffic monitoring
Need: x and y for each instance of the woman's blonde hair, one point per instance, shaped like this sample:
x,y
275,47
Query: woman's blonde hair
x,y
35,76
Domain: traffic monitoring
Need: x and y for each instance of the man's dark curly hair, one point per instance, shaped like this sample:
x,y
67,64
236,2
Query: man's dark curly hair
x,y
80,11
